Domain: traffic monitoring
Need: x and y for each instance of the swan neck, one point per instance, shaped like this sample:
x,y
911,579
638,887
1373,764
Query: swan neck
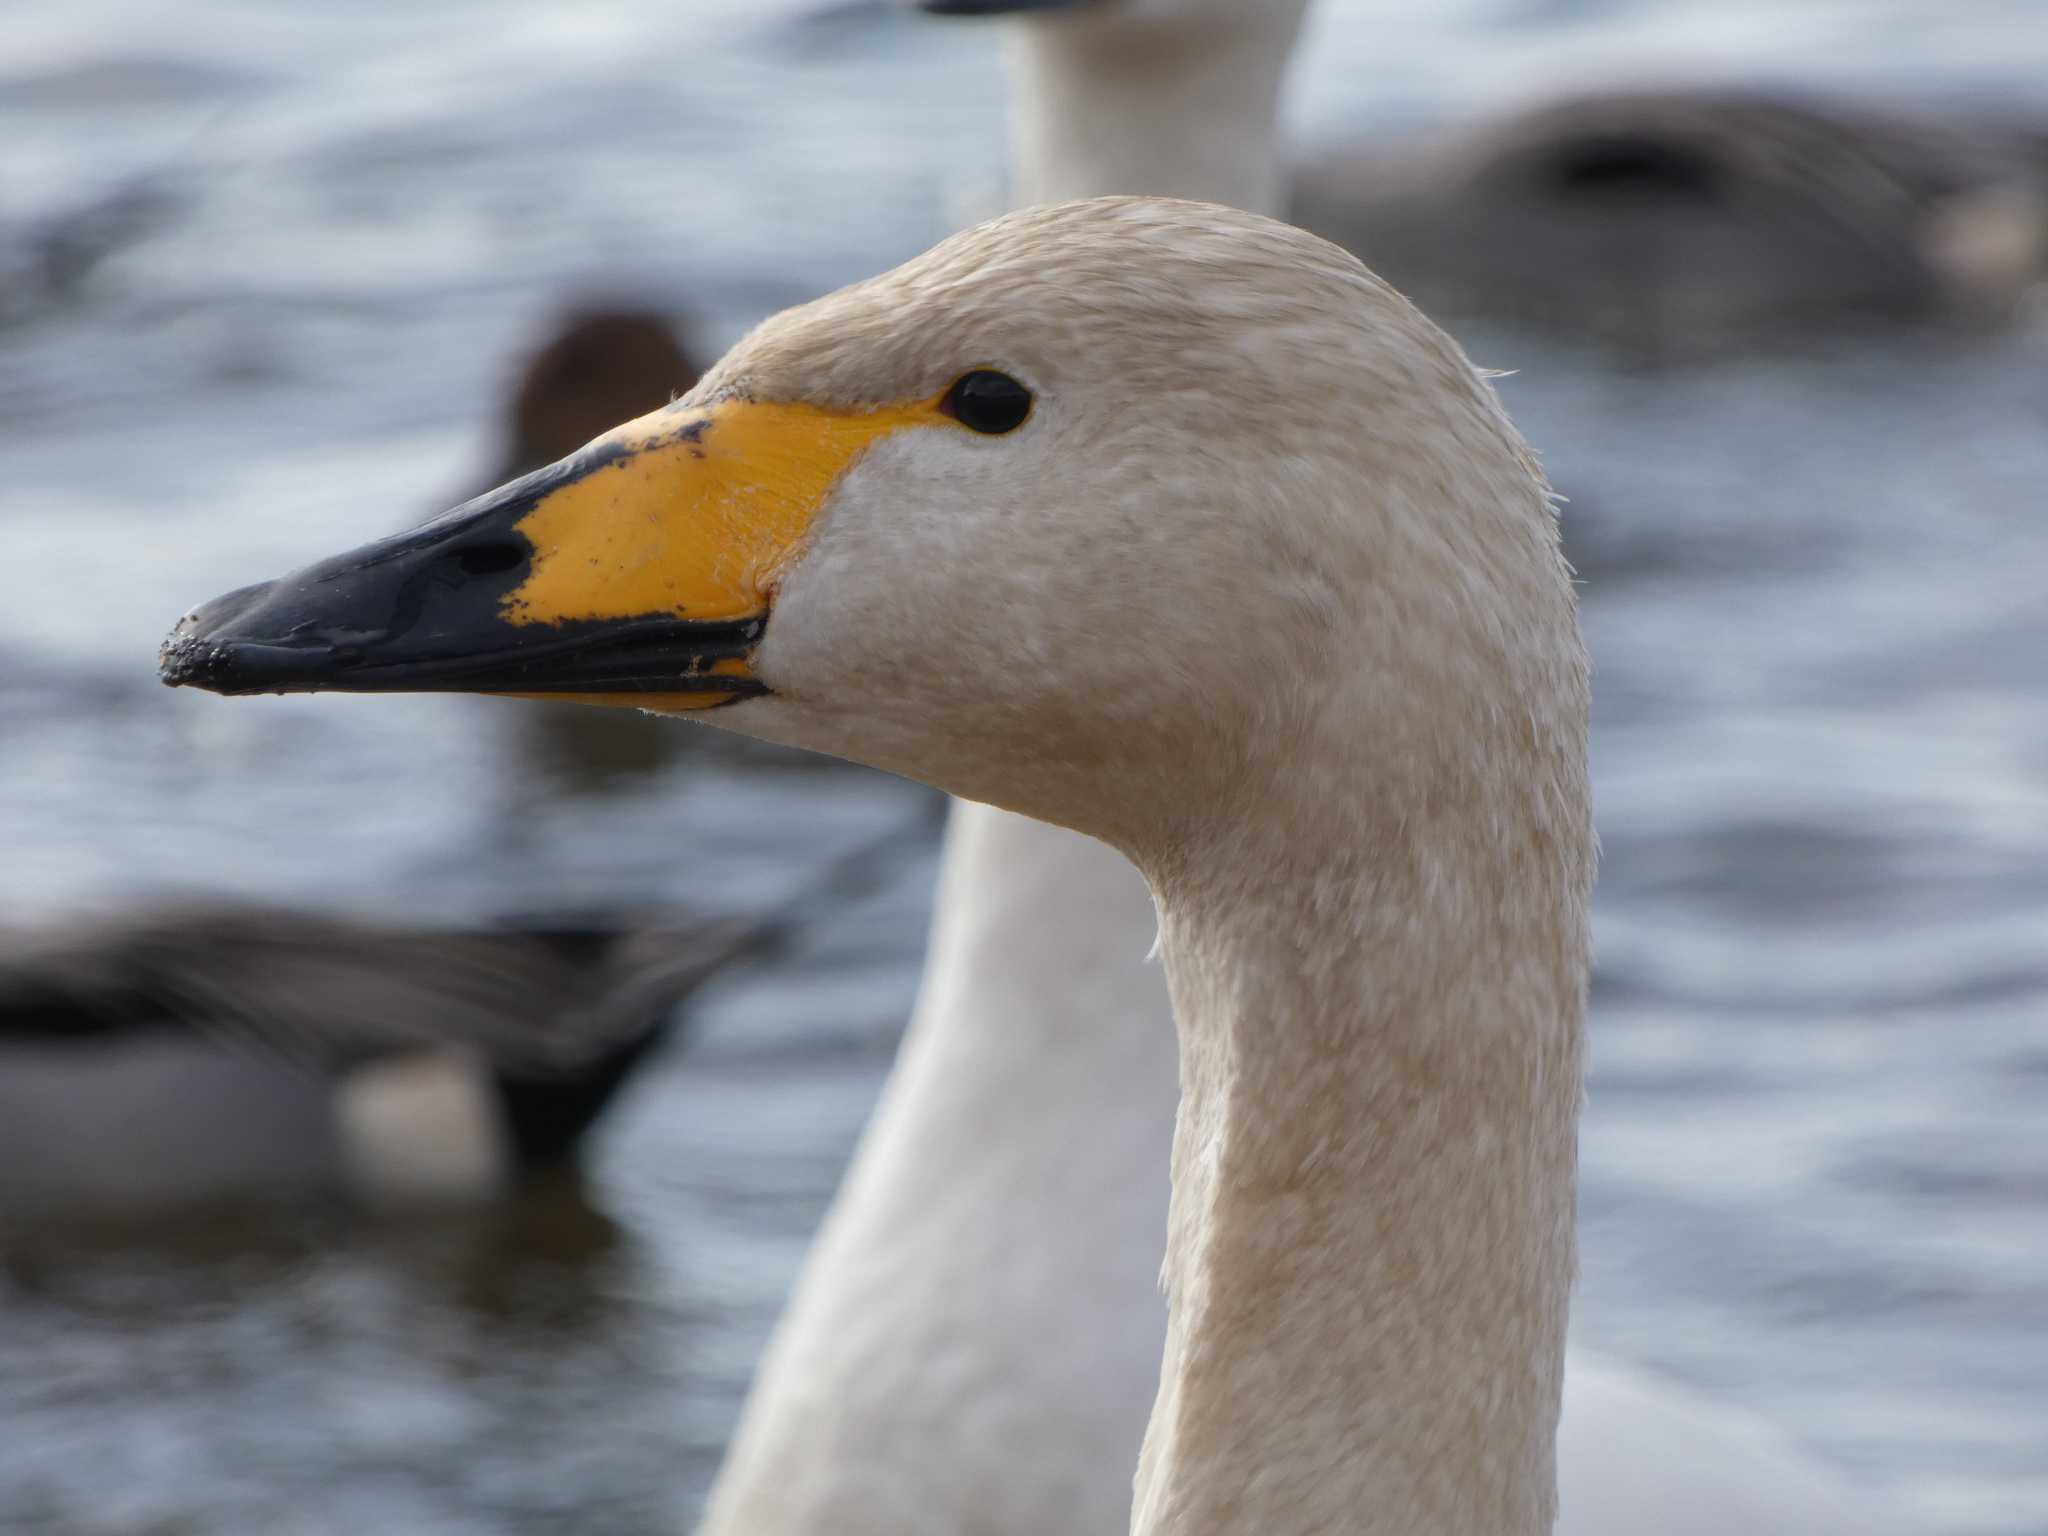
x,y
1102,108
1370,1244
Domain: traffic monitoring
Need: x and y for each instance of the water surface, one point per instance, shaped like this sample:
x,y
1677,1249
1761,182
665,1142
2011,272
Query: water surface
x,y
294,257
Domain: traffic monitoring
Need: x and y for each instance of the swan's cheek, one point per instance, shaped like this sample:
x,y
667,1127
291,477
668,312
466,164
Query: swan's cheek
x,y
905,588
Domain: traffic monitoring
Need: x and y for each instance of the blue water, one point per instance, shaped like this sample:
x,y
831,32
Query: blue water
x,y
1816,1175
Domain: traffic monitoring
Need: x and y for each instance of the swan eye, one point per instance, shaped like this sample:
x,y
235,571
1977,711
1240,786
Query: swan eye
x,y
988,402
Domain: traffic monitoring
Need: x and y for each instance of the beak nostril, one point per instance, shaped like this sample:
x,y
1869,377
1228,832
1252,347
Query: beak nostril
x,y
490,559
464,563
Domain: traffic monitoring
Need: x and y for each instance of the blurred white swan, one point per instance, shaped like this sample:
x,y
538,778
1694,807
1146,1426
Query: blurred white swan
x,y
1689,219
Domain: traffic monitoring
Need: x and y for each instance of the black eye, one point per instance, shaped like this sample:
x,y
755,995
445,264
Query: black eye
x,y
987,401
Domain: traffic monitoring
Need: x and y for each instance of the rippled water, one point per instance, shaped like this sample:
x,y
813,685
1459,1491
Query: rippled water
x,y
1816,1177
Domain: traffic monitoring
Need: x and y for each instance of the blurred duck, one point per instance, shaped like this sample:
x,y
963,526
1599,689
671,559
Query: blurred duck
x,y
171,1058
1689,219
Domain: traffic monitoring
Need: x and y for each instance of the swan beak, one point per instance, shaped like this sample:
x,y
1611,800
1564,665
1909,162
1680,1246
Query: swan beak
x,y
639,571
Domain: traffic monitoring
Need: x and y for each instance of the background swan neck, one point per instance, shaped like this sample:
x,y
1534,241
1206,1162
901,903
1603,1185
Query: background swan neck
x,y
1370,1246
975,1339
1103,106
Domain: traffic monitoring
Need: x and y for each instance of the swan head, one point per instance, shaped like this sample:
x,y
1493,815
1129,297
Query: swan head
x,y
1097,512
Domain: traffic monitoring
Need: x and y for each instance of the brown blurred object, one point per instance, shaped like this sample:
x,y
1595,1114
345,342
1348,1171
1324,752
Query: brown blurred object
x,y
599,366
1684,221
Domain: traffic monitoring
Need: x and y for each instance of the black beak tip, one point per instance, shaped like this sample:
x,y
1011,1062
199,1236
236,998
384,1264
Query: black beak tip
x,y
219,666
184,660
190,656
202,650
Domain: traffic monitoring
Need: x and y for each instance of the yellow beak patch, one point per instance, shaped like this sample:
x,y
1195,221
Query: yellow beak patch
x,y
695,515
